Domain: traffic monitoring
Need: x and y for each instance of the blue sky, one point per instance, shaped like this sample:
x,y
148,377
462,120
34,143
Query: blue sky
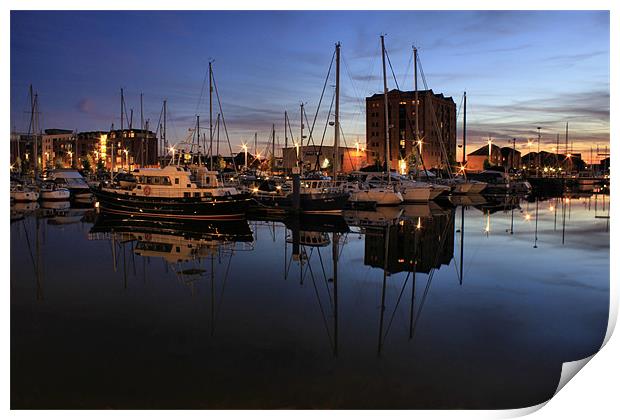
x,y
521,70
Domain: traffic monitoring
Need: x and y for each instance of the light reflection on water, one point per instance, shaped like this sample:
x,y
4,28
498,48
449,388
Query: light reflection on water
x,y
421,306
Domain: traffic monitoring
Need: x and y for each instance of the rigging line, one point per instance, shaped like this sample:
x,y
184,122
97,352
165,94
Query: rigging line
x,y
303,249
204,82
329,70
329,114
325,279
29,247
217,95
408,68
219,306
431,275
318,298
161,113
387,330
458,110
355,90
346,146
392,69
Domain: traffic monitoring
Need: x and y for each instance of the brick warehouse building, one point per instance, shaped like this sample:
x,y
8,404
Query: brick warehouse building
x,y
402,128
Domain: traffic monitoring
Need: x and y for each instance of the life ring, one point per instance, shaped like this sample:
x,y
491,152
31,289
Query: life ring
x,y
147,190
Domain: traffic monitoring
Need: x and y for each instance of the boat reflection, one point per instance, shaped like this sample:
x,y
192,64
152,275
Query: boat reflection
x,y
174,241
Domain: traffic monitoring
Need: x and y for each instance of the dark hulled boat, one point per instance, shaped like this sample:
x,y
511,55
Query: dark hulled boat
x,y
173,192
316,196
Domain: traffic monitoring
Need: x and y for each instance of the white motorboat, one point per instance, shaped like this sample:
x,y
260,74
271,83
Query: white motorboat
x,y
369,187
71,180
52,192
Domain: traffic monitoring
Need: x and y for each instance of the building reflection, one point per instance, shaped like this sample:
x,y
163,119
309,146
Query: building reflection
x,y
411,243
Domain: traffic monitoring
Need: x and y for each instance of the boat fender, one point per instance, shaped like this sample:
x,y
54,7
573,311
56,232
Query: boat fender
x,y
147,190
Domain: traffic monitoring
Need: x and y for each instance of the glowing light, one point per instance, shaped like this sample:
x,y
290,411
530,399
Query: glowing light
x,y
402,166
325,163
551,208
419,225
255,189
528,217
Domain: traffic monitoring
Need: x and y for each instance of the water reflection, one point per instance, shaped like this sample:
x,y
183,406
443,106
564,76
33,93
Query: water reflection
x,y
352,311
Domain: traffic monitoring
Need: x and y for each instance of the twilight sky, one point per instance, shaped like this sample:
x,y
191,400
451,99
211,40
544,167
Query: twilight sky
x,y
521,70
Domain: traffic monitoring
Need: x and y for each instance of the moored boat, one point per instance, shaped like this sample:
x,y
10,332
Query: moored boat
x,y
50,191
22,193
173,192
72,180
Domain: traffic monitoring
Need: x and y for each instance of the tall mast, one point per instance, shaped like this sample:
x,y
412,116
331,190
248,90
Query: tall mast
x,y
301,139
113,157
464,128
385,103
415,87
285,133
336,162
557,149
210,116
198,134
255,144
273,146
142,150
538,155
33,110
566,145
164,131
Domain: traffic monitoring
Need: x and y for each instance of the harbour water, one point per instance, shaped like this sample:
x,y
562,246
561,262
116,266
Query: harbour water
x,y
428,306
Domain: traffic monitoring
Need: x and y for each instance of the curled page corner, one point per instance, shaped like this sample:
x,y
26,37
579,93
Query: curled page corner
x,y
570,369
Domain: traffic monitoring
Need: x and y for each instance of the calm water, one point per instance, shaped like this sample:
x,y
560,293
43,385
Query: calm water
x,y
378,311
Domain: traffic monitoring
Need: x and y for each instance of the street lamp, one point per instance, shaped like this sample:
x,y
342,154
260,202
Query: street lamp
x,y
71,157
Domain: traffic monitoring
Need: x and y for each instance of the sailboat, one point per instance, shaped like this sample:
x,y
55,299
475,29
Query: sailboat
x,y
317,194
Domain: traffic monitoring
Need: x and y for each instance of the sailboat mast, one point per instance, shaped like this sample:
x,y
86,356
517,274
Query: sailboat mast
x,y
465,129
285,133
113,157
385,103
33,110
273,146
566,140
336,161
300,158
210,116
198,133
415,87
164,131
142,154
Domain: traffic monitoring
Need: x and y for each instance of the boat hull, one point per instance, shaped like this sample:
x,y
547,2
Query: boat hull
x,y
378,196
24,196
190,208
309,203
57,195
